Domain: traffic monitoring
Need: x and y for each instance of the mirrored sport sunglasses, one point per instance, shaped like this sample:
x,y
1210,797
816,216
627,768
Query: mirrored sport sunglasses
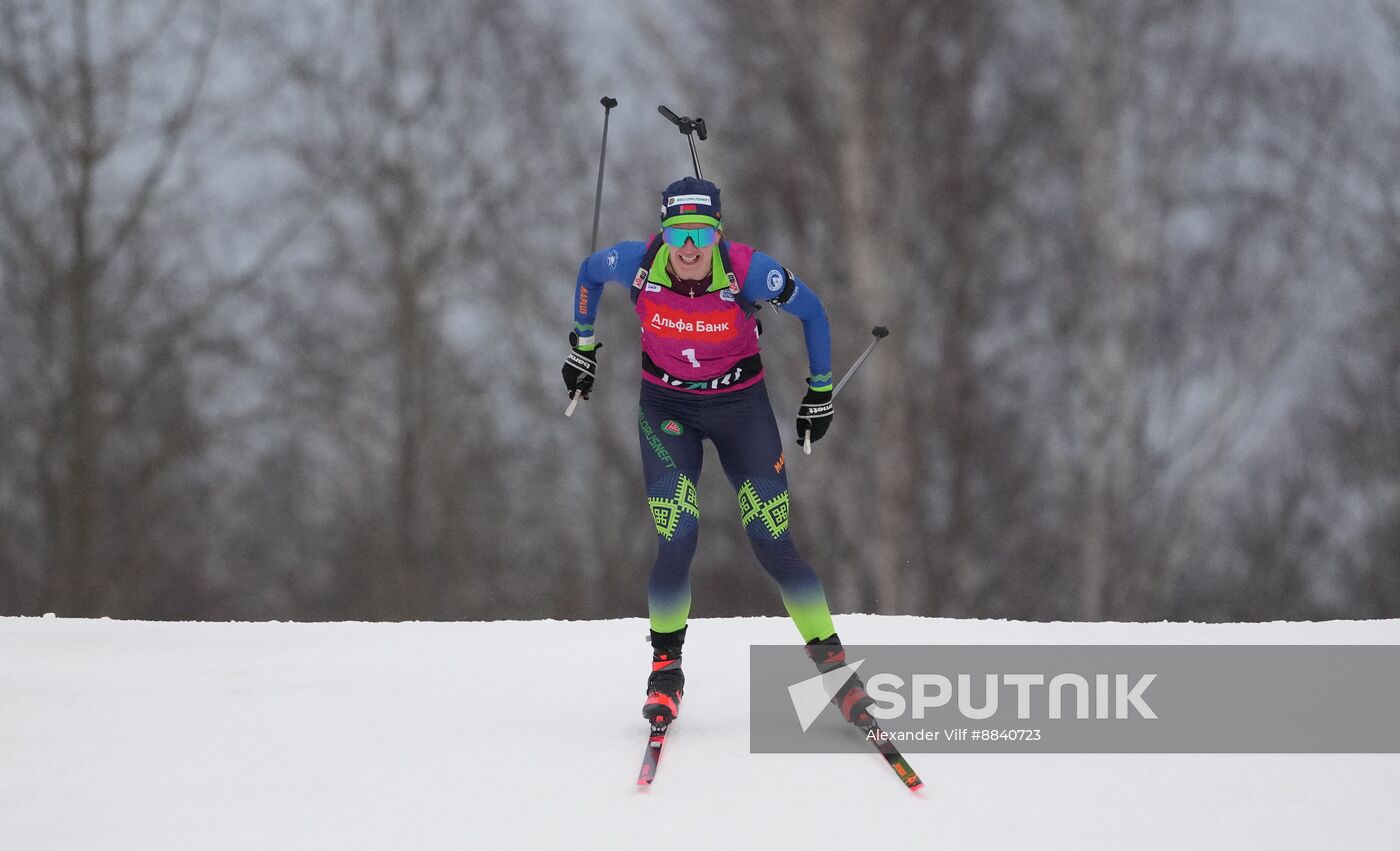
x,y
702,237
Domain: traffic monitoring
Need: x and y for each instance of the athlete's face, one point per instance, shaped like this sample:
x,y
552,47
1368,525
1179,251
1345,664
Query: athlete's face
x,y
688,262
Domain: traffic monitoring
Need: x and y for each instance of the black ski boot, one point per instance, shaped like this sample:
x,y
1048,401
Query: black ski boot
x,y
851,699
666,683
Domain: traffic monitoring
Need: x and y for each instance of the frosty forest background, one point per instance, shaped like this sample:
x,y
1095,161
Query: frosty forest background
x,y
285,290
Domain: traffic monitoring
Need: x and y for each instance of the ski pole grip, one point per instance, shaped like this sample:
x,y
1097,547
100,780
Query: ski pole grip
x,y
608,103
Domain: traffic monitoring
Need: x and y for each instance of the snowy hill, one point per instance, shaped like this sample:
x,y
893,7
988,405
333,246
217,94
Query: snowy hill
x,y
120,735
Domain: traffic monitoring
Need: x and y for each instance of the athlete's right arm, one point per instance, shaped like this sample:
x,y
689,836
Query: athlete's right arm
x,y
617,264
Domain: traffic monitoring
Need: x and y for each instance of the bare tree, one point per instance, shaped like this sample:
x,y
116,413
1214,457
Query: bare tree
x,y
103,99
411,135
1357,431
1167,121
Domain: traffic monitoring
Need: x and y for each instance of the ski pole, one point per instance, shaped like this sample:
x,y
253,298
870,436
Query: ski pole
x,y
690,128
608,103
880,332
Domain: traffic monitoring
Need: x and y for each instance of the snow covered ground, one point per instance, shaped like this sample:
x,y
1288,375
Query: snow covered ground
x,y
118,735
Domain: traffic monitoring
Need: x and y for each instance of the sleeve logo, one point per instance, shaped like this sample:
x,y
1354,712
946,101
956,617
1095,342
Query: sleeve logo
x,y
775,281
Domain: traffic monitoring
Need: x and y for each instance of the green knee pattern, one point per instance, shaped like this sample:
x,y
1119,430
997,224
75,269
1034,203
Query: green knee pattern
x,y
771,512
679,509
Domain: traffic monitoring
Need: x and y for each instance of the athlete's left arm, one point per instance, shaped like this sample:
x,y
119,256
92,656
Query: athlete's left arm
x,y
768,280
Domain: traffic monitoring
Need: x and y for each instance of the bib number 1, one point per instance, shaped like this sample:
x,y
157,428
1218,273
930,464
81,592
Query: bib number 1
x,y
690,355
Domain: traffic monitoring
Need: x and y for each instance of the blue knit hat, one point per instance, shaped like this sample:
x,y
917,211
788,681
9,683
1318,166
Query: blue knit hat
x,y
690,201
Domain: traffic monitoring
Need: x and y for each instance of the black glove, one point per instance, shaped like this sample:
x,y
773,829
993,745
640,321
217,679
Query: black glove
x,y
580,367
814,415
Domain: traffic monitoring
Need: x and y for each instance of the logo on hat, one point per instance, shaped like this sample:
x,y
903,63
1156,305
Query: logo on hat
x,y
698,199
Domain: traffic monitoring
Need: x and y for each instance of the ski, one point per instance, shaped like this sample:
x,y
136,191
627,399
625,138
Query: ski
x,y
655,740
901,766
